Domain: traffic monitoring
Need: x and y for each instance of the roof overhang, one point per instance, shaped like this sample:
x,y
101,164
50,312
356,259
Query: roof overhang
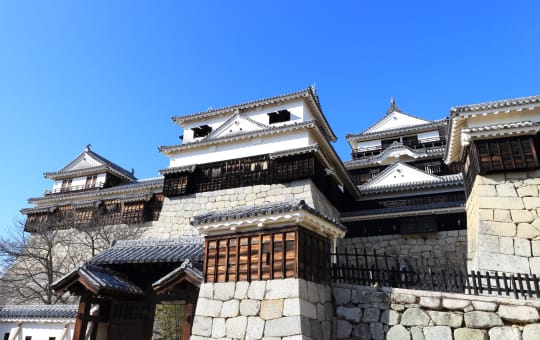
x,y
498,119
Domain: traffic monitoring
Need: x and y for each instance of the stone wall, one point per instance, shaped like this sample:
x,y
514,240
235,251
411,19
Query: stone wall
x,y
177,211
273,309
503,223
400,314
430,248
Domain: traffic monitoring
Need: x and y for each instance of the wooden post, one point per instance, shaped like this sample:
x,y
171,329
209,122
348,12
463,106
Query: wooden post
x,y
83,312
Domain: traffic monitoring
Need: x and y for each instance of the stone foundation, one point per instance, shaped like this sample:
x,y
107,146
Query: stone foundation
x,y
177,211
273,309
427,247
503,217
397,314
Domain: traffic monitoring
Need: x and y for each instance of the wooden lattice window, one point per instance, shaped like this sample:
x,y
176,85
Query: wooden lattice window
x,y
133,212
175,184
506,154
267,255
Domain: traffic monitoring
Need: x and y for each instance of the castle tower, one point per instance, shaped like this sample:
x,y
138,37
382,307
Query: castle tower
x,y
263,175
497,142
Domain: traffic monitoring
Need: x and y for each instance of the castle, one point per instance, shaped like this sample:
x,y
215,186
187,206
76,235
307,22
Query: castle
x,y
236,239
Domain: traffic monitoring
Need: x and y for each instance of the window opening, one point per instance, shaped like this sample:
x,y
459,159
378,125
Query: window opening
x,y
201,131
279,116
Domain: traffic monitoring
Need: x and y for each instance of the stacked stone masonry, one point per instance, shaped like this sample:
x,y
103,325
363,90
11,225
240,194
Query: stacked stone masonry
x,y
448,246
399,314
177,211
274,309
504,223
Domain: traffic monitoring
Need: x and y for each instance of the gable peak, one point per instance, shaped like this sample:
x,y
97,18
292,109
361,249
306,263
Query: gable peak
x,y
393,107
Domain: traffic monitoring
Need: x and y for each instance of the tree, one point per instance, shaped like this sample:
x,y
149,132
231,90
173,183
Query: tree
x,y
32,260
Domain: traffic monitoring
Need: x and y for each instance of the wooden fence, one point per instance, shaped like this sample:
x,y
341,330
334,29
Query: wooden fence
x,y
372,269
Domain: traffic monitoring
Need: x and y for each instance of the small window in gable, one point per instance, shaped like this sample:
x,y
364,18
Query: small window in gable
x,y
279,116
201,131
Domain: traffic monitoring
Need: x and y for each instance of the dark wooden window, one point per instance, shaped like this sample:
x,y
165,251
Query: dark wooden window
x,y
279,116
28,337
83,215
91,182
6,336
201,131
133,212
66,184
267,255
52,338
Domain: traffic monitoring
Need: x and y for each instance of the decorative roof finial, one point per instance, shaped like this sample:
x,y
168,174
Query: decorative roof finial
x,y
87,148
393,107
132,171
314,88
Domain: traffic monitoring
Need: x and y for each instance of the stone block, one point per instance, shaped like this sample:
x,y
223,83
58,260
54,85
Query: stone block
x,y
282,289
271,309
218,328
497,228
255,328
398,332
362,331
527,230
502,215
527,190
224,290
206,290
342,296
470,334
236,327
531,202
343,329
256,290
352,314
230,309
503,263
518,314
521,216
535,247
327,330
417,333
377,330
479,319
207,307
250,307
497,203
484,306
485,214
313,292
455,304
504,333
506,190
531,332
438,333
506,246
488,242
534,263
371,314
241,290
297,306
403,298
390,317
491,179
415,317
202,325
486,190
522,247
453,320
315,328
430,302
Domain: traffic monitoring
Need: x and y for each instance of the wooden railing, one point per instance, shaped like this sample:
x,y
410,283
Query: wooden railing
x,y
75,188
390,271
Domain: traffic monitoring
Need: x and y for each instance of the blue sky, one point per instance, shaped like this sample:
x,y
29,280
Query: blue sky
x,y
112,73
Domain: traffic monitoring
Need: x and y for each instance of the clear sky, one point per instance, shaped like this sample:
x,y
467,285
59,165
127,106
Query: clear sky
x,y
112,73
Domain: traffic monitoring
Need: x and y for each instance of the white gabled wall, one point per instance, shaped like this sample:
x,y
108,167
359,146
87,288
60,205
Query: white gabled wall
x,y
299,113
429,135
243,148
79,181
369,145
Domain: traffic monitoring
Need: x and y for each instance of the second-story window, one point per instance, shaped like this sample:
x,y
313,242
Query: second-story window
x,y
279,116
66,184
201,131
91,182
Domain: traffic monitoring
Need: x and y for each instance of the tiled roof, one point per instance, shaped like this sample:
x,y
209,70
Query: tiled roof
x,y
374,160
185,268
307,93
439,182
498,127
260,210
385,211
240,136
495,104
151,251
107,165
397,131
294,152
177,169
99,280
25,312
154,184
